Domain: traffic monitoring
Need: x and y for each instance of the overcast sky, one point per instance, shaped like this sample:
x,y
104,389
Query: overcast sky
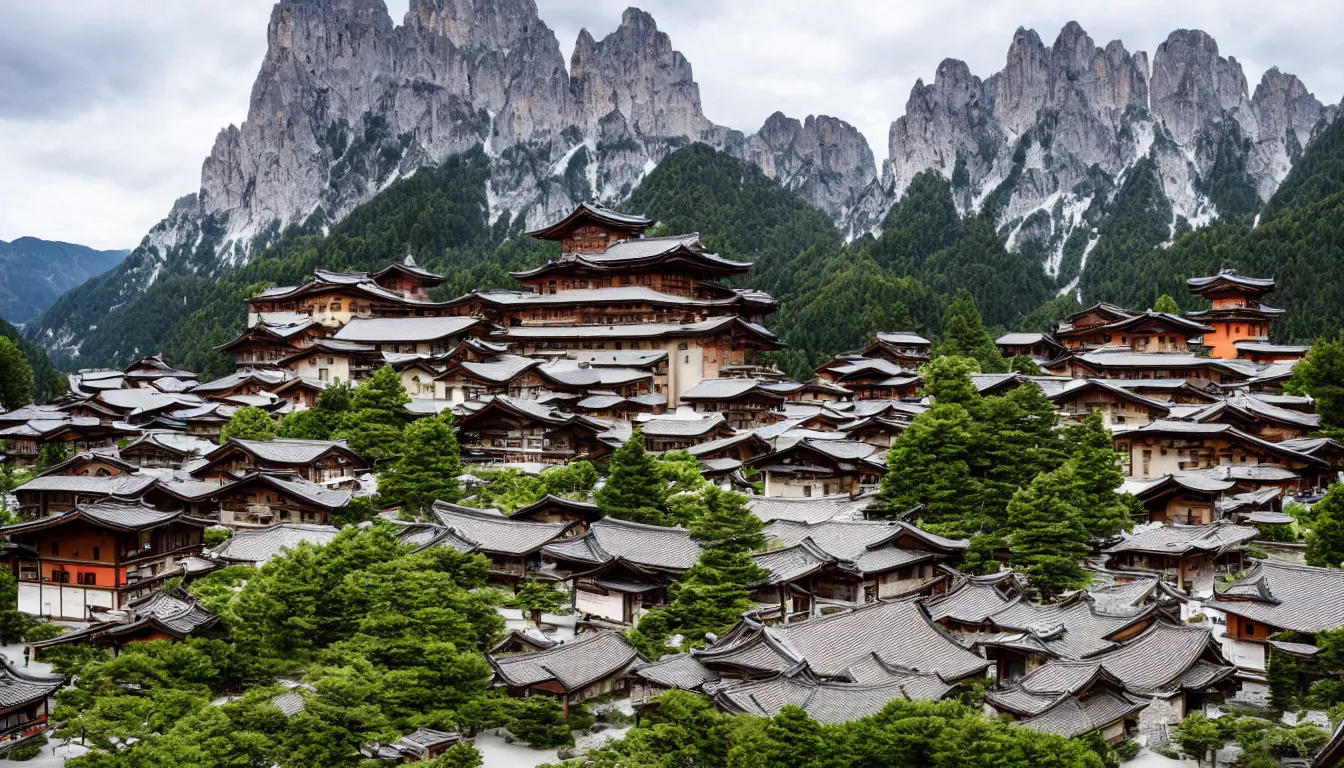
x,y
108,108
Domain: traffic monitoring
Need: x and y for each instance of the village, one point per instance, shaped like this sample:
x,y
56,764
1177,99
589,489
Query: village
x,y
142,482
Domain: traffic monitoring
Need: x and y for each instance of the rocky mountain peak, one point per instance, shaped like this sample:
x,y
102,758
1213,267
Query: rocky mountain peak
x,y
823,158
1192,85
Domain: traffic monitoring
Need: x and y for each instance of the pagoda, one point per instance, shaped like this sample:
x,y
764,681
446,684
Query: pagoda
x,y
614,290
1239,321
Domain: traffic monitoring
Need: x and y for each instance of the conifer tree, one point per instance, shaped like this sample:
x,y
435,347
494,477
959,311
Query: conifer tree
x,y
1105,513
51,454
536,597
248,424
1167,304
934,455
1048,539
16,376
1321,375
377,415
964,334
427,466
948,380
1325,542
728,532
634,489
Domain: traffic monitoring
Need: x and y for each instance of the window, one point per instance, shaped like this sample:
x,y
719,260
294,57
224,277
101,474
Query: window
x,y
55,547
88,579
96,554
807,490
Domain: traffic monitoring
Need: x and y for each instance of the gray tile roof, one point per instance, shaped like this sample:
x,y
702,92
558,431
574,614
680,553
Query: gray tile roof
x,y
817,509
1181,539
406,330
1073,716
111,485
492,532
287,451
290,702
677,427
1156,661
654,546
1293,597
681,671
1017,339
825,701
572,665
903,337
256,546
899,632
19,687
720,389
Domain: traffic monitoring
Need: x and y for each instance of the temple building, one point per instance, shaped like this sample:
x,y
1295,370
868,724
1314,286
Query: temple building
x,y
614,290
1238,320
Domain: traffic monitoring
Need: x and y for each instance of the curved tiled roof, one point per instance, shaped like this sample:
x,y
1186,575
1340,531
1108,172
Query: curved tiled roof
x,y
572,665
681,671
259,545
1300,598
492,532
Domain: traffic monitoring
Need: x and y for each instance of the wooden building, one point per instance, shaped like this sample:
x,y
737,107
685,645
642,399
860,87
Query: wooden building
x,y
99,555
317,461
24,709
1237,314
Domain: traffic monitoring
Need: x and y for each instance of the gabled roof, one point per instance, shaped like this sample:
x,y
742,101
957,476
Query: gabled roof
x,y
1082,386
123,486
1228,278
571,666
294,487
1073,716
18,687
826,702
899,632
810,510
596,213
1299,598
113,514
559,504
1162,659
662,548
408,268
259,545
718,390
284,451
681,671
1226,431
1219,536
493,532
404,330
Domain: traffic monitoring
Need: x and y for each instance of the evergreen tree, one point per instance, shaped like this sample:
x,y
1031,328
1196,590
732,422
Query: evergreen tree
x,y
1048,538
1105,513
574,480
13,625
1325,542
51,454
536,597
1024,365
1167,304
728,533
16,376
934,455
427,465
248,424
1198,736
635,489
1321,375
964,334
377,415
947,379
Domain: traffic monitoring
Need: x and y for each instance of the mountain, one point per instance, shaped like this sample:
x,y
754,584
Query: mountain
x,y
1044,144
346,103
35,272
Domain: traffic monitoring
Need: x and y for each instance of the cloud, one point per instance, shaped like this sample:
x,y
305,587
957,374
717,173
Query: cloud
x,y
108,109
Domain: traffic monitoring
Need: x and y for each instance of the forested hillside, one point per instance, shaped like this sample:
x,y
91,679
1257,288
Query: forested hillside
x,y
1299,241
833,295
35,272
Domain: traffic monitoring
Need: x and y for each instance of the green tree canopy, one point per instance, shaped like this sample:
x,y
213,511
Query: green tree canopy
x,y
635,488
16,376
1048,540
964,334
248,424
377,415
1167,304
1321,375
427,466
1105,513
1325,542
